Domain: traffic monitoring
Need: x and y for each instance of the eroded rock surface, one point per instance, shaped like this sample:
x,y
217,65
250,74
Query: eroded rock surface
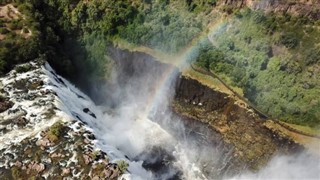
x,y
39,138
253,144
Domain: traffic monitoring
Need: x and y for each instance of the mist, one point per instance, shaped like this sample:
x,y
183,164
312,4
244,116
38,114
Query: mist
x,y
134,123
300,166
141,125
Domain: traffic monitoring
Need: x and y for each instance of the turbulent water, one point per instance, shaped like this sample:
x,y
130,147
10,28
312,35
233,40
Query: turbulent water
x,y
127,133
157,144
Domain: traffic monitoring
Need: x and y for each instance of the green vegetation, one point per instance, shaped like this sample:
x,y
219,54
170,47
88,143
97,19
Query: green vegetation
x,y
73,35
16,47
15,172
123,166
23,68
4,30
165,26
274,59
55,131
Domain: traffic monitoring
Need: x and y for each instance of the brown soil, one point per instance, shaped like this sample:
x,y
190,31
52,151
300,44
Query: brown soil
x,y
9,12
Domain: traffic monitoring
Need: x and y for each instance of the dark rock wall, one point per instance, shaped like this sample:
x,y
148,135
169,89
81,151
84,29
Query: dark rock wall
x,y
191,91
253,144
246,140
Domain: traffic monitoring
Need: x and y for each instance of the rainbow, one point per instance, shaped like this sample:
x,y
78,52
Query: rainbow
x,y
181,61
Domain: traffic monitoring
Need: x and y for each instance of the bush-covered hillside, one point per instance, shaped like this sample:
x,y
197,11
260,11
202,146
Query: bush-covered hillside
x,y
73,34
273,57
18,37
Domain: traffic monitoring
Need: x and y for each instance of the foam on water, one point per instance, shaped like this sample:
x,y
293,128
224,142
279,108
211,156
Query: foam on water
x,y
124,134
128,132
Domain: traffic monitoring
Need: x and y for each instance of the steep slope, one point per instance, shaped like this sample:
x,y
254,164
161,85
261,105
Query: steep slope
x,y
46,131
251,141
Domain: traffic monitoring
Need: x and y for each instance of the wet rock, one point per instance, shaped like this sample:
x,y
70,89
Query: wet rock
x,y
45,92
79,96
87,159
96,178
4,105
91,136
43,133
16,113
61,81
86,141
21,121
35,166
252,143
39,155
87,110
44,142
35,84
65,171
112,171
55,155
9,156
18,164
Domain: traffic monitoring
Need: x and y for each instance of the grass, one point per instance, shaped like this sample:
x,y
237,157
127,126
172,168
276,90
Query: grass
x,y
15,172
209,81
23,68
310,143
55,131
123,166
307,129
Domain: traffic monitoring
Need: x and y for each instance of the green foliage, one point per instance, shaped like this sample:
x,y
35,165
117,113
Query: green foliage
x,y
55,131
248,49
198,6
209,55
23,68
4,30
280,81
25,30
289,40
123,166
167,27
15,172
313,56
15,49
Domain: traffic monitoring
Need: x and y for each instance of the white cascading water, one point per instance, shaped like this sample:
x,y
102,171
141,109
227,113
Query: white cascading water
x,y
128,132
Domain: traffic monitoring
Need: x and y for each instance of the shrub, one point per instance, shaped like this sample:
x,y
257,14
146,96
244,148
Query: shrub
x,y
23,68
25,30
123,166
289,40
4,30
15,172
313,56
55,131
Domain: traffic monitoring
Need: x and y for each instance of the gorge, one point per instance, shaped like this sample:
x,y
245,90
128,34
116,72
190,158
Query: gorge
x,y
173,134
163,89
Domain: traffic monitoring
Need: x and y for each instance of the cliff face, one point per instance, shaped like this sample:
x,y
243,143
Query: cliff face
x,y
251,142
241,135
309,8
